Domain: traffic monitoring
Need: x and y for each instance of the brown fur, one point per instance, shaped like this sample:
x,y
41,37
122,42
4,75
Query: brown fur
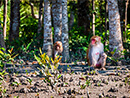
x,y
101,59
57,44
93,37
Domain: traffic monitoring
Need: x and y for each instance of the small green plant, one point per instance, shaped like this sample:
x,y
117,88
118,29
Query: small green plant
x,y
127,81
26,72
88,83
69,69
115,60
8,58
2,89
118,74
99,83
30,81
25,48
16,96
37,95
49,68
83,86
94,71
26,51
52,97
16,84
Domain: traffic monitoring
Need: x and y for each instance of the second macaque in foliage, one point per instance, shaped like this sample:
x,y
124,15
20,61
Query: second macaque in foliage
x,y
95,53
57,49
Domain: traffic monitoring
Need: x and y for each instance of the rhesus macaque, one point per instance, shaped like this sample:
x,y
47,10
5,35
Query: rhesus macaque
x,y
95,53
57,49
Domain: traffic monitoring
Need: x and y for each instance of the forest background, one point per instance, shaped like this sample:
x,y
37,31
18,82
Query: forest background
x,y
23,26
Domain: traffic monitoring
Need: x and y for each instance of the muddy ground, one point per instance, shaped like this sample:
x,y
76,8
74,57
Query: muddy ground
x,y
76,81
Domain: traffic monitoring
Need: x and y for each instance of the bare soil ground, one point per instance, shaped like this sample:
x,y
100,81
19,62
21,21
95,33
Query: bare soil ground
x,y
77,81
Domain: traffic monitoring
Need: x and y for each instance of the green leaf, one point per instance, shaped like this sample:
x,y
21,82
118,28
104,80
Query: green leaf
x,y
39,60
59,76
84,48
15,83
28,46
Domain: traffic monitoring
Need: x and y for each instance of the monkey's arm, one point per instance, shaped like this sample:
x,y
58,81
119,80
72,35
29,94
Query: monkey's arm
x,y
102,49
55,53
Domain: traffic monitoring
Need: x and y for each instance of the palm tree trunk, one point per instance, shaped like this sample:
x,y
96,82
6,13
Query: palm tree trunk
x,y
65,36
57,19
48,42
115,38
14,20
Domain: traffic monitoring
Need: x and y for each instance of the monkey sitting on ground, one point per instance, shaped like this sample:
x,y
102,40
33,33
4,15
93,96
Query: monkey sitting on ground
x,y
57,49
95,53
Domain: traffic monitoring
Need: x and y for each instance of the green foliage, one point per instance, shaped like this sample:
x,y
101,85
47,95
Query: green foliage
x,y
127,81
116,59
30,81
2,88
28,42
78,43
7,57
28,28
16,96
49,68
16,84
25,50
87,83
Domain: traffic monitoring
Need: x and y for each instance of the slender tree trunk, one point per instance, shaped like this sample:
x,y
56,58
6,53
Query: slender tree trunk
x,y
39,31
115,40
14,20
65,36
106,14
93,21
2,43
121,6
57,19
5,19
32,9
48,42
126,18
101,16
83,16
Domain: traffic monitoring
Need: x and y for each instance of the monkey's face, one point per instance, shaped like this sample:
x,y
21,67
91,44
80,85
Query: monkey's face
x,y
95,40
57,47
